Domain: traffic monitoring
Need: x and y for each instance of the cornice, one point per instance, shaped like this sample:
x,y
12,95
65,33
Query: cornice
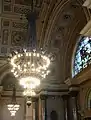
x,y
80,78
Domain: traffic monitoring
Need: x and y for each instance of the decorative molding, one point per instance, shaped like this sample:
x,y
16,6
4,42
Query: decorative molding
x,y
7,8
19,25
17,38
87,4
1,89
21,9
86,31
5,36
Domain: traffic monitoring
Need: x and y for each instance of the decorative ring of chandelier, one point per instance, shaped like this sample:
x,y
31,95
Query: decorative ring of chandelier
x,y
30,67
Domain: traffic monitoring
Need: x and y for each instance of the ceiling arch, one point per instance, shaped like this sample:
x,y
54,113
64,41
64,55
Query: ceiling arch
x,y
65,23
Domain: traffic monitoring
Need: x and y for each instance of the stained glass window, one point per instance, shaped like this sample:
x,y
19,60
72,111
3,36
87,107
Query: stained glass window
x,y
82,55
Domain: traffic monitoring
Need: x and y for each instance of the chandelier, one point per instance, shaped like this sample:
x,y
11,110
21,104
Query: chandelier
x,y
31,64
13,107
30,67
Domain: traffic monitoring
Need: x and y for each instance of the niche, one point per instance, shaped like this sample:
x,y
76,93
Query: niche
x,y
53,115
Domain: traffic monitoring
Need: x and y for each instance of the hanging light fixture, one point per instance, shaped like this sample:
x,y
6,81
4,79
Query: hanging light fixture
x,y
29,93
30,65
13,107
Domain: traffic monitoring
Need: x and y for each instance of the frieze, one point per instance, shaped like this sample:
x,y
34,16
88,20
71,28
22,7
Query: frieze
x,y
17,38
21,9
20,25
22,2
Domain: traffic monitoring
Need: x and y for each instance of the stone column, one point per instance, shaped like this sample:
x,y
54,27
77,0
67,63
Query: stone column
x,y
35,113
65,101
43,99
28,112
73,94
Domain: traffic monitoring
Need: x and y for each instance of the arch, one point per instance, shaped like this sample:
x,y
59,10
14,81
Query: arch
x,y
55,14
88,99
82,55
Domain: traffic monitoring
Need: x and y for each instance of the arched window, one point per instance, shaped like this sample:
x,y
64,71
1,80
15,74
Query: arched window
x,y
82,55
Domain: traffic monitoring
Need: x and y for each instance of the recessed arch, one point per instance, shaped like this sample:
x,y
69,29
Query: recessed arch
x,y
88,99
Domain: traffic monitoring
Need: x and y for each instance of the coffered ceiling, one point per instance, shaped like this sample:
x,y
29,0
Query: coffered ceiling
x,y
58,26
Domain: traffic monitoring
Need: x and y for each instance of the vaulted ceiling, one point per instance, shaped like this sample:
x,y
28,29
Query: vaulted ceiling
x,y
58,26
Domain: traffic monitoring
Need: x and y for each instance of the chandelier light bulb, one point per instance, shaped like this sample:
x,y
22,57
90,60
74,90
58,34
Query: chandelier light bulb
x,y
29,54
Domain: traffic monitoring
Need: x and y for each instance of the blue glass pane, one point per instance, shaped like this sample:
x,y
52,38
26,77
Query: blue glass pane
x,y
82,55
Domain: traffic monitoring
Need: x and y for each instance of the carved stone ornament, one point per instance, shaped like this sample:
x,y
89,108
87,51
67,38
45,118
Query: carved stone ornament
x,y
17,38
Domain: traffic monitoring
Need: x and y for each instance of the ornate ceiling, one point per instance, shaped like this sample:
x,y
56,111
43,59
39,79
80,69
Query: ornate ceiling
x,y
58,26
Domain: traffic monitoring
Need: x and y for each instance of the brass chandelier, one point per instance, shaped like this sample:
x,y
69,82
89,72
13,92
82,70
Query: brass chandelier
x,y
31,64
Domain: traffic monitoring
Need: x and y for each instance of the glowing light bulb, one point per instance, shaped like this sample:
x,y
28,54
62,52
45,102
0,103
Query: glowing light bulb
x,y
25,65
25,70
12,70
19,67
29,54
19,55
28,63
34,54
37,54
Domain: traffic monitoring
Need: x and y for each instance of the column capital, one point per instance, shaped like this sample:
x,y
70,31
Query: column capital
x,y
73,93
65,97
43,97
73,90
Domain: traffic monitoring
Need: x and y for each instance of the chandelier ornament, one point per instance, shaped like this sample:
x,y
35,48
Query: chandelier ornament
x,y
29,92
13,107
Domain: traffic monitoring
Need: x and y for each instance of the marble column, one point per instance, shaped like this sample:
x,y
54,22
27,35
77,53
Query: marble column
x,y
73,95
65,101
43,99
35,113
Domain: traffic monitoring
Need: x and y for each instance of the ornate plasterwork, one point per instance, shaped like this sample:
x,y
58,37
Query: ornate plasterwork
x,y
20,6
17,38
63,26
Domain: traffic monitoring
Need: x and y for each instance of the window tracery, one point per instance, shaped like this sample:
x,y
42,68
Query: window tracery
x,y
82,55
